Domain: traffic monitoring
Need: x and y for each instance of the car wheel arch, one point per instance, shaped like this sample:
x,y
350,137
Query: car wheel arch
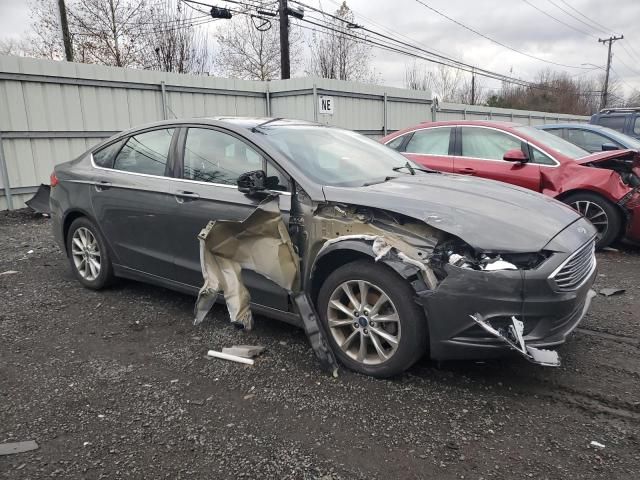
x,y
344,252
74,214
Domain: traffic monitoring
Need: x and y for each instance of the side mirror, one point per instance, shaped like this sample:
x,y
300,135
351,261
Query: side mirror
x,y
253,182
606,147
515,155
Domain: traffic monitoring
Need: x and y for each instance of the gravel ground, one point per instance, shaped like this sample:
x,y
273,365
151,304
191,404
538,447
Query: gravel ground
x,y
115,384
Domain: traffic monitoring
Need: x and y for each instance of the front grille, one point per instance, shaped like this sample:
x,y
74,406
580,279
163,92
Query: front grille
x,y
576,269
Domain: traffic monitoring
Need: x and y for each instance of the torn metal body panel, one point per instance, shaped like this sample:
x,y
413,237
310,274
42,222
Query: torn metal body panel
x,y
260,243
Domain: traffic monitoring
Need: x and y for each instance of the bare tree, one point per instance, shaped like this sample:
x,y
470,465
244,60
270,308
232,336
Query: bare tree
x,y
174,43
336,54
249,48
13,46
447,83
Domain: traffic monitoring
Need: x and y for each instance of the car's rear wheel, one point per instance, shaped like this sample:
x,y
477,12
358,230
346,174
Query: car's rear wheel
x,y
88,254
603,214
371,319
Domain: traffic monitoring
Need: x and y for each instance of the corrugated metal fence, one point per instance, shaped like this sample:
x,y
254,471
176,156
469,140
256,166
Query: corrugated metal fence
x,y
50,112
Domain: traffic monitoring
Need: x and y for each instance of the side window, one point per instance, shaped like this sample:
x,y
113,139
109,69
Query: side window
x,y
590,141
145,153
432,141
217,157
104,157
615,121
397,142
636,126
487,143
540,158
276,180
556,131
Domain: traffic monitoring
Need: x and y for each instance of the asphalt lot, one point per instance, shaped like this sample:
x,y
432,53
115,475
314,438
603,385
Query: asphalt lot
x,y
115,384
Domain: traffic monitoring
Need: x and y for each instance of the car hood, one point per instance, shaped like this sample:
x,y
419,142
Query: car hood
x,y
604,156
488,215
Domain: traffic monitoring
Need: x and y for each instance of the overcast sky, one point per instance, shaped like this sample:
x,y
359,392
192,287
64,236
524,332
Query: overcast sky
x,y
512,22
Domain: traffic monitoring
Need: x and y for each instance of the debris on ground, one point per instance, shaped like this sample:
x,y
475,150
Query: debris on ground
x,y
596,444
9,272
607,292
233,358
18,447
246,351
39,203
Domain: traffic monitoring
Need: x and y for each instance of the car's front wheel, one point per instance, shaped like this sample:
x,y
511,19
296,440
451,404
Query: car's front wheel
x,y
603,214
88,254
372,322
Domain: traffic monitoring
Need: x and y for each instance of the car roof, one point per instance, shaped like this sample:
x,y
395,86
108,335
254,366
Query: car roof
x,y
483,123
582,126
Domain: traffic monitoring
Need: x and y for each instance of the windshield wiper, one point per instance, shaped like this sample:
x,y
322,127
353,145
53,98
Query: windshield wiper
x,y
413,169
386,179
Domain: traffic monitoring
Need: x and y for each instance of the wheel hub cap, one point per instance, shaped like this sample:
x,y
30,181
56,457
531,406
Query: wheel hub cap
x,y
364,322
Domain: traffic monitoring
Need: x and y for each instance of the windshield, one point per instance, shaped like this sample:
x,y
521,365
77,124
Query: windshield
x,y
555,143
340,158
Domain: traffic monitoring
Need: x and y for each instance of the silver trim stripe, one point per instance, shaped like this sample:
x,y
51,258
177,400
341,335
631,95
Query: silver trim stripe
x,y
576,269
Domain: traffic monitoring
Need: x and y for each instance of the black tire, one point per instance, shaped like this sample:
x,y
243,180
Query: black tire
x,y
412,344
105,275
579,200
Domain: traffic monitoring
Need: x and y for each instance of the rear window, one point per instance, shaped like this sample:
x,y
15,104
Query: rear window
x,y
104,157
145,153
616,122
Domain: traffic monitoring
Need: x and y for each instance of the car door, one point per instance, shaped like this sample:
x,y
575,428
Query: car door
x,y
588,140
431,147
481,151
132,202
210,162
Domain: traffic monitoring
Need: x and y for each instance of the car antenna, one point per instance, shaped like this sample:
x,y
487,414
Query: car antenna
x,y
260,125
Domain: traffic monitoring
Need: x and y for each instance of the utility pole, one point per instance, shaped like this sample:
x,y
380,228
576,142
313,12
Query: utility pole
x,y
285,62
605,90
66,37
473,87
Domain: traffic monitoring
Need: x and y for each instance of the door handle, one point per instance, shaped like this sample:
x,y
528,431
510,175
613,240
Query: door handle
x,y
102,185
467,171
182,196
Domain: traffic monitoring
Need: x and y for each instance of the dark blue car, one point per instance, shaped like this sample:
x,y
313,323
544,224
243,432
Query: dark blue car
x,y
592,138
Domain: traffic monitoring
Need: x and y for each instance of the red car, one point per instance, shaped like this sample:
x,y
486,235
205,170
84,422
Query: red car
x,y
604,186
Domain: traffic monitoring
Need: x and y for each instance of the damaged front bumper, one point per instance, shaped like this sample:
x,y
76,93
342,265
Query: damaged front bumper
x,y
465,296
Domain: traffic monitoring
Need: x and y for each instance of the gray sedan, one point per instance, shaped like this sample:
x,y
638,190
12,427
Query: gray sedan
x,y
399,260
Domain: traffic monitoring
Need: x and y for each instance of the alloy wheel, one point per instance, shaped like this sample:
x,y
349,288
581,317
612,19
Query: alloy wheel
x,y
364,322
594,213
86,253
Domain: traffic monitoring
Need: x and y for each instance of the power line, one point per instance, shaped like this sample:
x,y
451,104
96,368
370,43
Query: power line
x,y
479,71
574,17
493,40
606,29
558,20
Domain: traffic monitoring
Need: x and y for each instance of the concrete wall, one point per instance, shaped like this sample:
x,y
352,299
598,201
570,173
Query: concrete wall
x,y
51,112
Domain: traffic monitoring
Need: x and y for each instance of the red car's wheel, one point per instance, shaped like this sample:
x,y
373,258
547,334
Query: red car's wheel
x,y
600,212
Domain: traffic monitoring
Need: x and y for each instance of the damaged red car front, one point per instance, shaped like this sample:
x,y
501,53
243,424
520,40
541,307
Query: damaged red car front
x,y
604,187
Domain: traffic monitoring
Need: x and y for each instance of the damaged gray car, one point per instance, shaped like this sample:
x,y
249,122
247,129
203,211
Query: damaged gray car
x,y
398,261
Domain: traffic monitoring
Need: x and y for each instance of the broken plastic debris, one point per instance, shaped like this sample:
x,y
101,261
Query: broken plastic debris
x,y
500,265
18,447
246,351
513,337
9,272
596,444
607,292
233,358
